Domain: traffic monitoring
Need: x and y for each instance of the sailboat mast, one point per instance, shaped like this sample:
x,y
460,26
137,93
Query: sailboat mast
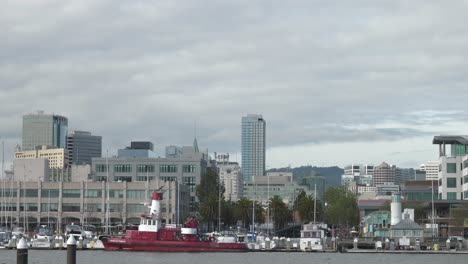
x,y
315,200
107,200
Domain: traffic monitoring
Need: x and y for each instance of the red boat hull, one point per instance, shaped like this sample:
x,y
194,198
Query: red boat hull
x,y
171,246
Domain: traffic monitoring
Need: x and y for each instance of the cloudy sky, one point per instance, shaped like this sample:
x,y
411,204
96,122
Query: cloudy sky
x,y
337,82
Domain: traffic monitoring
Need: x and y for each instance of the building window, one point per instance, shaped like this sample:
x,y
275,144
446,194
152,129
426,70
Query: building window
x,y
92,207
122,168
188,168
136,194
93,193
71,193
8,193
451,195
168,179
29,193
135,208
123,178
145,168
144,178
451,168
115,193
451,182
29,207
49,207
101,168
168,168
71,207
46,193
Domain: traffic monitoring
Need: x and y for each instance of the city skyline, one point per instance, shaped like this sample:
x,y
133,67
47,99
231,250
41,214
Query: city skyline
x,y
339,83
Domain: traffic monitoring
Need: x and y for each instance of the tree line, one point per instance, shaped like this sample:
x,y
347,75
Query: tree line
x,y
338,208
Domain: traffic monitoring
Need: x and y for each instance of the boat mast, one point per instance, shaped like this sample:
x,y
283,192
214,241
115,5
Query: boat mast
x,y
107,185
315,200
3,207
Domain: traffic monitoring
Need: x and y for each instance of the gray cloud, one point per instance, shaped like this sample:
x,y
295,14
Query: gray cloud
x,y
315,69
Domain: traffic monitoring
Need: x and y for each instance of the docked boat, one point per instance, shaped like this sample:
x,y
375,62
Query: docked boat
x,y
44,237
152,235
312,237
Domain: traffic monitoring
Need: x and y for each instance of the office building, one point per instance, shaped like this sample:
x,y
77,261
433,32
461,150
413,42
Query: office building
x,y
82,146
453,167
253,146
57,157
231,177
384,173
62,203
44,130
187,169
431,169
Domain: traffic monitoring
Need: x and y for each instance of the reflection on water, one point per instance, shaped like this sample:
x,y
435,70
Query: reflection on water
x,y
105,257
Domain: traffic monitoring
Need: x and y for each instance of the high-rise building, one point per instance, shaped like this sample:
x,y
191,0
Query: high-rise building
x,y
82,146
230,176
384,173
253,146
44,130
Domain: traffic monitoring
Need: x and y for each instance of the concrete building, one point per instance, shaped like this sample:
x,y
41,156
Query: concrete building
x,y
384,173
420,175
62,203
230,175
253,146
81,173
453,167
82,146
432,170
57,157
187,169
31,169
42,129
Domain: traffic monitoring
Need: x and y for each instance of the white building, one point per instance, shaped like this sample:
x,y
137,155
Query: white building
x,y
432,170
230,175
453,168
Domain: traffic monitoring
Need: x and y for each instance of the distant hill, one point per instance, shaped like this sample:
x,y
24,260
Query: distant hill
x,y
331,174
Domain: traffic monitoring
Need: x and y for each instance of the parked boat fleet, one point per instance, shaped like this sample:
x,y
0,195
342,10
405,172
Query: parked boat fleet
x,y
44,237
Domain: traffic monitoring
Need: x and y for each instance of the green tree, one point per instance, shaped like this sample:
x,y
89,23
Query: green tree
x,y
305,204
243,211
280,213
209,193
341,207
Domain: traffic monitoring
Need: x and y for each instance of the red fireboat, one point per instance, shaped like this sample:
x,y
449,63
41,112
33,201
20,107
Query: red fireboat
x,y
152,235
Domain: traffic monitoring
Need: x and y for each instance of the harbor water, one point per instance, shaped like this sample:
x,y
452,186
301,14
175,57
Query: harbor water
x,y
106,257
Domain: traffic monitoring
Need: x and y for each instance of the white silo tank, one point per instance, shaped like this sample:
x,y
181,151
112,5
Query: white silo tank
x,y
395,208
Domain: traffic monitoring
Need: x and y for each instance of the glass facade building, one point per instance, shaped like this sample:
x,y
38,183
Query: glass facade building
x,y
253,146
41,129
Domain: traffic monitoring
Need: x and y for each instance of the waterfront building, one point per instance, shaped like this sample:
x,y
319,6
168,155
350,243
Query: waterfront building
x,y
420,191
187,169
42,129
453,167
82,146
376,224
431,168
230,176
62,203
253,146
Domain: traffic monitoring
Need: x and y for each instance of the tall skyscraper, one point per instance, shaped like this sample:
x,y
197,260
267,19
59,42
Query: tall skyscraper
x,y
253,146
384,173
82,146
43,129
